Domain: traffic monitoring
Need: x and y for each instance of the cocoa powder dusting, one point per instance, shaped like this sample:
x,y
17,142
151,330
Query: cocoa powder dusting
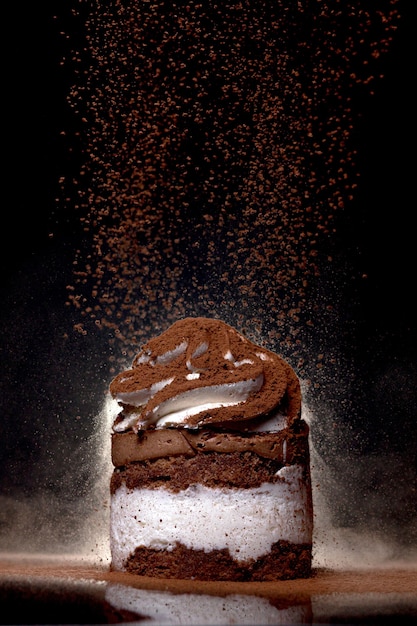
x,y
217,156
201,355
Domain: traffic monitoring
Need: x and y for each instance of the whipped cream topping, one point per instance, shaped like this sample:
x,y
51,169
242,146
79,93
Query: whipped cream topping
x,y
202,371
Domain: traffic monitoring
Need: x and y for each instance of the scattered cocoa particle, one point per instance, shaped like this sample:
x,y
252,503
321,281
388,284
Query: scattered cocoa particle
x,y
217,155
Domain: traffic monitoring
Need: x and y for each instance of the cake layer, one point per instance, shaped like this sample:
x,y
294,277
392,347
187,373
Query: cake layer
x,y
246,523
285,561
286,446
234,469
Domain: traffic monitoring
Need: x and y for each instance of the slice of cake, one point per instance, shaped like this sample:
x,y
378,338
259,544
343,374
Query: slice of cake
x,y
211,456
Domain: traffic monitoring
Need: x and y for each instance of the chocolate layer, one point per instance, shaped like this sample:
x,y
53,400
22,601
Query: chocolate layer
x,y
287,446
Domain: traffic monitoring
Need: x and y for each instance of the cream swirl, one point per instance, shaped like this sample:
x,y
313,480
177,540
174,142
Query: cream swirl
x,y
202,371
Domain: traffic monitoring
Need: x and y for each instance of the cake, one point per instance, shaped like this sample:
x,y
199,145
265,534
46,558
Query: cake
x,y
211,476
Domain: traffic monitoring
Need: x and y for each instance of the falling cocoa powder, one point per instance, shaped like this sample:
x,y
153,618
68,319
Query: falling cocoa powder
x,y
217,157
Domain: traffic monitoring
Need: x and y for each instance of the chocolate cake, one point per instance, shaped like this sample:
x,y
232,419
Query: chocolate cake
x,y
211,456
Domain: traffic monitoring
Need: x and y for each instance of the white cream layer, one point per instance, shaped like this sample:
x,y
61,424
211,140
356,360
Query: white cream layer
x,y
201,610
245,521
176,409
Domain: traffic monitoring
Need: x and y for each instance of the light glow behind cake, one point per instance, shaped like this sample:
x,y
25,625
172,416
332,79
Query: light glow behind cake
x,y
202,371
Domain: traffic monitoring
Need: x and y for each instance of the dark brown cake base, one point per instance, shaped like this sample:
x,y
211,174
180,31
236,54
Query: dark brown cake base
x,y
284,562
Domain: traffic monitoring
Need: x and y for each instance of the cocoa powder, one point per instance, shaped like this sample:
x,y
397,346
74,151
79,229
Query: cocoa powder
x,y
200,353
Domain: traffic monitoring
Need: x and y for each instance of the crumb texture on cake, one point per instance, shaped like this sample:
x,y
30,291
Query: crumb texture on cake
x,y
284,562
233,469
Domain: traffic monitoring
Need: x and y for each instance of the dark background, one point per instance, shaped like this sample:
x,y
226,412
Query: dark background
x,y
53,380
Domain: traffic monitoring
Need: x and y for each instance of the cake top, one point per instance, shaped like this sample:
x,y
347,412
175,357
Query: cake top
x,y
201,372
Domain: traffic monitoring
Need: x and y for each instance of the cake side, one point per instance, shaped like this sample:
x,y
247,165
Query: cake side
x,y
232,515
